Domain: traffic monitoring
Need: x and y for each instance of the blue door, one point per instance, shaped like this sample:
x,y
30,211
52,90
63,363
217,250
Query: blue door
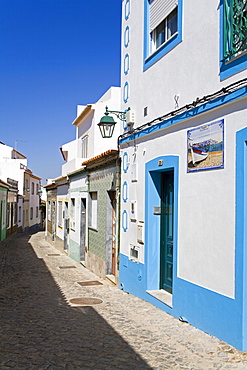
x,y
166,238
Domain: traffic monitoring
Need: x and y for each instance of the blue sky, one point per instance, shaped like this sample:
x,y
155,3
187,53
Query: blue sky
x,y
54,55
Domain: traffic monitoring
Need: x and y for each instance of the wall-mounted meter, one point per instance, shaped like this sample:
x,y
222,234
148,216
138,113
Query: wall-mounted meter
x,y
130,117
140,233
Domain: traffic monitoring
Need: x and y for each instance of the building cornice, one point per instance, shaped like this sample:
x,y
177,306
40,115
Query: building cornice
x,y
83,114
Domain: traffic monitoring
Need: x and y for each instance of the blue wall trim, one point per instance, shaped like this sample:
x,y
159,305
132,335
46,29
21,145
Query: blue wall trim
x,y
125,220
125,162
214,313
241,217
127,9
209,311
126,92
126,63
127,36
216,103
149,60
125,191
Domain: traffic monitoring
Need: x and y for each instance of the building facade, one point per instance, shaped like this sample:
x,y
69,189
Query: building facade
x,y
85,198
183,174
51,213
3,209
103,214
12,207
25,214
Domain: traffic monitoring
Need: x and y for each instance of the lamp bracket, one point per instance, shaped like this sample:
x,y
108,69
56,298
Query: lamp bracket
x,y
120,115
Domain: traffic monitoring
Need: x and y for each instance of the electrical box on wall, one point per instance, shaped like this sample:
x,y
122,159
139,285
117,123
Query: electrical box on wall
x,y
140,233
134,172
130,117
133,210
134,252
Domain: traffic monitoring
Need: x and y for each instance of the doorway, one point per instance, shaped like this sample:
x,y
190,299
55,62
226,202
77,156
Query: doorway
x,y
83,229
66,226
111,250
53,220
166,230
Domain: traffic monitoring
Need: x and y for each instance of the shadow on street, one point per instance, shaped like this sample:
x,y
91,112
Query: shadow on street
x,y
38,329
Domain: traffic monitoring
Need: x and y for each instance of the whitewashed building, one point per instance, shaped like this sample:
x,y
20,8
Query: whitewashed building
x,y
88,142
90,163
13,170
183,216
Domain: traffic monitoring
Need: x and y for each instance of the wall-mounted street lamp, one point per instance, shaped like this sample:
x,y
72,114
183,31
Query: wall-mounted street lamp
x,y
107,122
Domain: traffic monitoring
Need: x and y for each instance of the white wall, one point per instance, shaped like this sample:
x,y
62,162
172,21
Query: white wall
x,y
5,152
190,70
78,190
11,168
206,223
62,195
88,125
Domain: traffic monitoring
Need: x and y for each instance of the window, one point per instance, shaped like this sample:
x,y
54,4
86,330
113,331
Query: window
x,y
8,215
235,28
27,215
84,146
31,213
162,28
72,213
32,187
37,211
49,211
26,188
233,37
60,213
93,213
37,189
20,211
165,30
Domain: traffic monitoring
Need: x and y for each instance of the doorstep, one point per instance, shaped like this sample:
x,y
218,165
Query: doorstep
x,y
162,295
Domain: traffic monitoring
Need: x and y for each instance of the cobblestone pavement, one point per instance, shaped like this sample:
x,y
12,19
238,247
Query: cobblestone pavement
x,y
41,329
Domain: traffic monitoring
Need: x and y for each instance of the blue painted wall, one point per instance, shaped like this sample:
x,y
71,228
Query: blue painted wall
x,y
209,311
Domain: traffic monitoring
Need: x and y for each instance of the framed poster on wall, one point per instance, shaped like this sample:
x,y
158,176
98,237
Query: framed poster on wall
x,y
205,147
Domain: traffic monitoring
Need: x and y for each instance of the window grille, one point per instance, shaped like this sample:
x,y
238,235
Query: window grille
x,y
60,213
93,215
72,213
235,27
84,146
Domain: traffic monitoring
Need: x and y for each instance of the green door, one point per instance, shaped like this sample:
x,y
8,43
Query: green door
x,y
166,239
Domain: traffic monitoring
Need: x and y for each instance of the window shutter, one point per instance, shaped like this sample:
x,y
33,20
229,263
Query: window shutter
x,y
159,10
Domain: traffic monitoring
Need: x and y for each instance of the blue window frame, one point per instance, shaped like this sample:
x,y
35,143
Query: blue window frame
x,y
233,31
160,38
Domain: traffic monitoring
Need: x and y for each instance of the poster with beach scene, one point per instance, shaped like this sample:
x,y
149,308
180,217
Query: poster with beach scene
x,y
206,147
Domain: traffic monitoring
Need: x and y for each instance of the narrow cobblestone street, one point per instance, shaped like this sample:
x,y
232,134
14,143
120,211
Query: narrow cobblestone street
x,y
41,329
